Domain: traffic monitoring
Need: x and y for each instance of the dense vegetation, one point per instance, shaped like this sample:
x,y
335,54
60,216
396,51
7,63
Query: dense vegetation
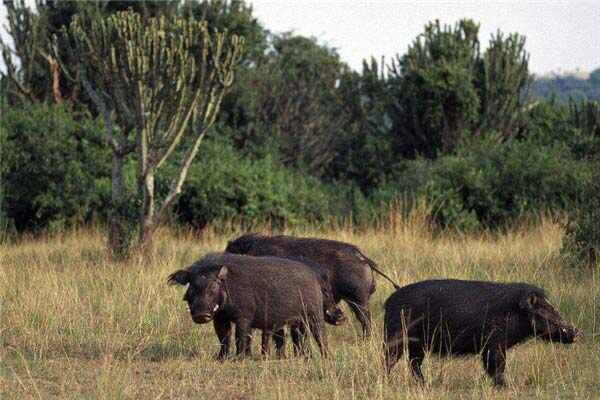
x,y
569,86
301,138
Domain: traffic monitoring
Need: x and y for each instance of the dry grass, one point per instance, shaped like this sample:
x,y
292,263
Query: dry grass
x,y
74,325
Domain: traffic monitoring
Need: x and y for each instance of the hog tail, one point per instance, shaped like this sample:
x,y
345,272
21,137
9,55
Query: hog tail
x,y
375,268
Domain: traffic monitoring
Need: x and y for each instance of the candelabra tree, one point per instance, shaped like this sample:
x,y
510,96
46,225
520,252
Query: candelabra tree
x,y
158,84
585,116
26,60
504,86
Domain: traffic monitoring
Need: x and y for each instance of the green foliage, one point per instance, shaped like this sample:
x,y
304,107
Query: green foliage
x,y
235,17
33,70
548,122
223,187
407,183
435,89
26,69
304,138
289,101
490,184
160,80
504,84
445,88
364,150
576,125
56,169
568,87
586,116
581,244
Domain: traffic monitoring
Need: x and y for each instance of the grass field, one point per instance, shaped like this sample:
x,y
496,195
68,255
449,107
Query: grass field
x,y
74,325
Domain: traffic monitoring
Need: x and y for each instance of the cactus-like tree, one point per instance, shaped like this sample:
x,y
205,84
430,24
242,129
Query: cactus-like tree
x,y
437,100
27,29
158,83
446,87
585,116
504,84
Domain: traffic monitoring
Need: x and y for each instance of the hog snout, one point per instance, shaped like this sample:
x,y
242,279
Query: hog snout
x,y
201,318
566,334
335,317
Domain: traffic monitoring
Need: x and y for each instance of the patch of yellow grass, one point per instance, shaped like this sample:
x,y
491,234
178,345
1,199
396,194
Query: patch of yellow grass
x,y
75,325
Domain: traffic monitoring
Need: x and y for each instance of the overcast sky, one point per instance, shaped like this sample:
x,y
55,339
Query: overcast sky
x,y
561,35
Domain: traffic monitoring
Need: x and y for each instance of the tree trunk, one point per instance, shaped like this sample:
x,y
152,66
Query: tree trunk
x,y
148,221
117,234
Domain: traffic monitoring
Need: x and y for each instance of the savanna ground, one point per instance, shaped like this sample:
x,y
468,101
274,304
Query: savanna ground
x,y
75,325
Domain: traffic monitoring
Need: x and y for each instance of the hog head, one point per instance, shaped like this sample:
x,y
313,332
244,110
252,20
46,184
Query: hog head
x,y
205,294
332,313
546,322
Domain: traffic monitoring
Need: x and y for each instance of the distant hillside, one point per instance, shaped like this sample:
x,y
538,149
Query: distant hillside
x,y
568,86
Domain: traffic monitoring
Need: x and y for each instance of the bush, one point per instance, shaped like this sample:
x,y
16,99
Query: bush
x,y
581,244
550,123
224,186
489,183
56,169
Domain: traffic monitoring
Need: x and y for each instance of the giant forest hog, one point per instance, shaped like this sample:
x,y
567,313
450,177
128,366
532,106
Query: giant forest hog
x,y
350,272
252,293
455,317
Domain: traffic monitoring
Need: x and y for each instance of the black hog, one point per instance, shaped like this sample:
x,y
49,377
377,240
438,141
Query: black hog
x,y
454,317
263,293
350,272
332,313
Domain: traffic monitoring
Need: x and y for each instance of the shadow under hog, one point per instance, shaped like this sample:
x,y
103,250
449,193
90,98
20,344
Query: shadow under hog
x,y
263,293
455,317
350,272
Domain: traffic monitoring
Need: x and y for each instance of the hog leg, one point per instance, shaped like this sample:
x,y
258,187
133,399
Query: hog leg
x,y
315,329
279,337
416,356
392,355
223,329
298,333
360,308
494,361
264,347
243,338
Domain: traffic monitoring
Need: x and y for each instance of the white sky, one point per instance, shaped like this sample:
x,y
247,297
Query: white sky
x,y
561,35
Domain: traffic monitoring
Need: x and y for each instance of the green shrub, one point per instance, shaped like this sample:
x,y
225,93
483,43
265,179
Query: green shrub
x,y
550,123
56,169
581,244
489,183
224,186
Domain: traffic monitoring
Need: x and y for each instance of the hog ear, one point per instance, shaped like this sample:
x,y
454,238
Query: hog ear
x,y
222,273
181,277
528,302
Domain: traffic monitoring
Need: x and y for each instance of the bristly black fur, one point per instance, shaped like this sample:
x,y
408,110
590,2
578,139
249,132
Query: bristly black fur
x,y
350,271
180,277
265,293
456,317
